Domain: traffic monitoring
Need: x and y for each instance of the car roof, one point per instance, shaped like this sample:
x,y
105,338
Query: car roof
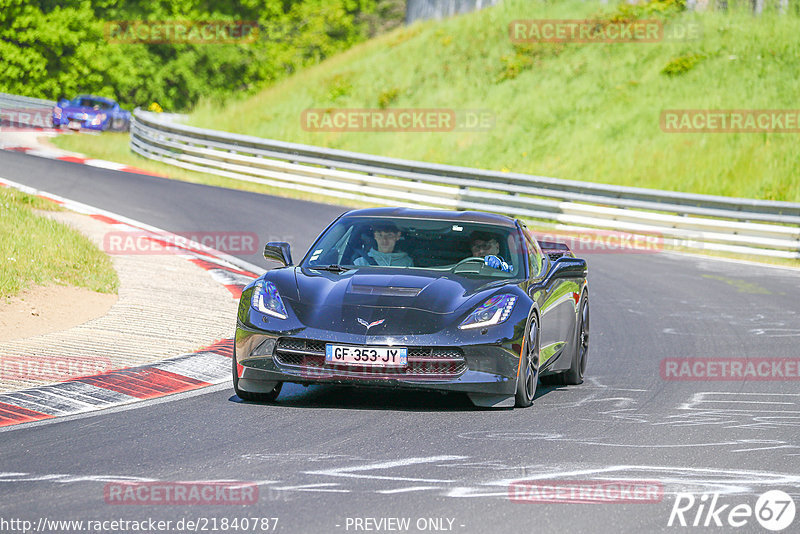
x,y
432,214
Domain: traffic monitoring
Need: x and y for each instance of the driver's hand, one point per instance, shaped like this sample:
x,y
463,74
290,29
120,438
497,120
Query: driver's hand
x,y
496,263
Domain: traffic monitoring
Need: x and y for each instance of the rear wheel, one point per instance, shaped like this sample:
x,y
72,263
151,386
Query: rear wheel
x,y
575,373
529,366
249,395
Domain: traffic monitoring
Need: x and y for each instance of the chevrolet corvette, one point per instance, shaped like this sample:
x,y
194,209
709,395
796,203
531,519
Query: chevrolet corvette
x,y
463,302
86,112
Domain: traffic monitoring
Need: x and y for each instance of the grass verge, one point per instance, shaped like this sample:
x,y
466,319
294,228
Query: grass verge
x,y
36,250
568,110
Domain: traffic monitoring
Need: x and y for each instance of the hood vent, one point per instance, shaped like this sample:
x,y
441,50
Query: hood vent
x,y
384,291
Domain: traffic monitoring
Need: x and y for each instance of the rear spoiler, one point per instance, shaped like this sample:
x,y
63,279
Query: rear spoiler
x,y
556,250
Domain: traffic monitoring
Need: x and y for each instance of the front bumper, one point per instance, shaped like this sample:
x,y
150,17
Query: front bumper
x,y
83,122
264,358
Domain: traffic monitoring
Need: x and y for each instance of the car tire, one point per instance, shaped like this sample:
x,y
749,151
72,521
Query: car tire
x,y
528,375
574,375
250,396
117,124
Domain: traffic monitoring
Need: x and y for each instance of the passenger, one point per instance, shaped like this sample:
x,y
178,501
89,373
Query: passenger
x,y
386,235
486,245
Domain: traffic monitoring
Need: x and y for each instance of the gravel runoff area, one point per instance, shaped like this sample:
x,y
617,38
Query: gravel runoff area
x,y
167,306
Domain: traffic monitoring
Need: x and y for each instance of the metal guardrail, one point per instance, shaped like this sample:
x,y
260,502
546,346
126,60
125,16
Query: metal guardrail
x,y
8,101
18,109
745,226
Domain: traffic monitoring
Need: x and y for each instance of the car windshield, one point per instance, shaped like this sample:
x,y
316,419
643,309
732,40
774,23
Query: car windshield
x,y
370,242
93,103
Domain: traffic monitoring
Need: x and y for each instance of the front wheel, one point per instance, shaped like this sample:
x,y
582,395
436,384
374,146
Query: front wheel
x,y
118,124
271,396
528,375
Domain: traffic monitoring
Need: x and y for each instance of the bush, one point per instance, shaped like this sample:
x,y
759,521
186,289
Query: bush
x,y
681,64
51,49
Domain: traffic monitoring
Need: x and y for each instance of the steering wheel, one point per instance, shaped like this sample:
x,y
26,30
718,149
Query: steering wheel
x,y
467,260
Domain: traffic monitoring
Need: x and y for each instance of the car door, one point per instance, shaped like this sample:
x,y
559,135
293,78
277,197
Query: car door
x,y
556,301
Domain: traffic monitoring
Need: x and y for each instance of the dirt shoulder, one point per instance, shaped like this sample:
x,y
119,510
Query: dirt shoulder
x,y
44,309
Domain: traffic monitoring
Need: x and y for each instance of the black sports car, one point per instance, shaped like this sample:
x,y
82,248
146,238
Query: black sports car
x,y
393,297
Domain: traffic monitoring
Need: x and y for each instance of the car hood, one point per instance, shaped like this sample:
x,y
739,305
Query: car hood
x,y
408,302
87,110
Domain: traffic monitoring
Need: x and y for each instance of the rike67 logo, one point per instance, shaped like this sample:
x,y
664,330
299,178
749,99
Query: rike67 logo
x,y
774,510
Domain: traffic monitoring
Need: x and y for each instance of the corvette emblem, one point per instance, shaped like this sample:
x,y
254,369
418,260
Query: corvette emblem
x,y
370,325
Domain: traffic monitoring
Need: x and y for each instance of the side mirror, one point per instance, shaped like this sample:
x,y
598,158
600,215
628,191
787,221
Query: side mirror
x,y
278,251
568,267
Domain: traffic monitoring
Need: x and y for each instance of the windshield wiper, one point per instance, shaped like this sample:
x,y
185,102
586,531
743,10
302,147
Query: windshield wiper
x,y
334,268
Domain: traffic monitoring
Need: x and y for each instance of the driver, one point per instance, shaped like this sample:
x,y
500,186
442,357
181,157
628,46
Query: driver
x,y
486,245
386,235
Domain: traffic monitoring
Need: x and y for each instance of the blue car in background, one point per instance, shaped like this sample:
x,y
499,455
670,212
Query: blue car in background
x,y
91,113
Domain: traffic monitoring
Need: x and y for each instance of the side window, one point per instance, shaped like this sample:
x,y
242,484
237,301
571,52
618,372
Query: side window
x,y
535,253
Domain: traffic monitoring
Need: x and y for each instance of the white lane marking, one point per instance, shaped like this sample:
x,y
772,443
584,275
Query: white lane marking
x,y
122,408
767,448
674,479
103,164
64,402
30,402
50,400
406,490
42,153
208,367
355,472
90,393
724,402
474,492
323,487
67,478
595,442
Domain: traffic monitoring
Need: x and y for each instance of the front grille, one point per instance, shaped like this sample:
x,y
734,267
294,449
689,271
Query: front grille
x,y
423,362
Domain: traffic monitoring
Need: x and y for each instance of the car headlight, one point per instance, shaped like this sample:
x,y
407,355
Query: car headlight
x,y
266,299
57,112
494,311
99,118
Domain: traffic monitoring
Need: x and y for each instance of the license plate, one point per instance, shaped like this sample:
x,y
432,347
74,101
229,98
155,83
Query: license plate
x,y
366,356
75,125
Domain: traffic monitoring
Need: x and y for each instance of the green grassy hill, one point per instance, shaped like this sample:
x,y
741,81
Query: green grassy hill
x,y
574,111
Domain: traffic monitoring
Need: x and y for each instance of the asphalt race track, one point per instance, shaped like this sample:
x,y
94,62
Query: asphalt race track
x,y
325,457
